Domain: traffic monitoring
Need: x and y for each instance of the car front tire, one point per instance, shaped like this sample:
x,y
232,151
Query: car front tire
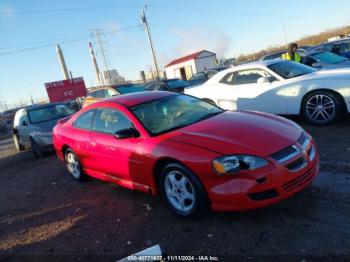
x,y
17,143
321,107
182,191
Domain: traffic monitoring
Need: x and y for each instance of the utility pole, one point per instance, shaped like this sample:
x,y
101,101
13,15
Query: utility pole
x,y
285,35
62,61
144,21
95,64
98,34
31,99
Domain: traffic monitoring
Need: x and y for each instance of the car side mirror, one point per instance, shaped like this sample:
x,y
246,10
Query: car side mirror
x,y
263,80
24,123
126,133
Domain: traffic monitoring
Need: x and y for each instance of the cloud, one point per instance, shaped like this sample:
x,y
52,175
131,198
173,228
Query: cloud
x,y
197,38
7,11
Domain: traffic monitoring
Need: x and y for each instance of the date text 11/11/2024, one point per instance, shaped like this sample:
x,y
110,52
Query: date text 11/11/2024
x,y
172,258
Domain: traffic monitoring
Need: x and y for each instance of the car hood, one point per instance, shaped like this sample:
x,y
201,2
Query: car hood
x,y
45,126
344,64
240,132
334,74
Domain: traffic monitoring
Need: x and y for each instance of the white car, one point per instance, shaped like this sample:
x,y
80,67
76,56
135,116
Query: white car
x,y
280,87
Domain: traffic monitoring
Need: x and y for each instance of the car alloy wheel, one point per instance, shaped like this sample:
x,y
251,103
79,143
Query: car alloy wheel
x,y
179,191
73,165
320,107
183,191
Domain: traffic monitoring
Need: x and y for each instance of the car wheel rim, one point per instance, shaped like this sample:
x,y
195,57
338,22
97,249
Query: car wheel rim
x,y
73,165
320,107
179,191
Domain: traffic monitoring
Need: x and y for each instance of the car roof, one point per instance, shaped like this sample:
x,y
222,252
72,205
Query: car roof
x,y
41,106
255,63
133,99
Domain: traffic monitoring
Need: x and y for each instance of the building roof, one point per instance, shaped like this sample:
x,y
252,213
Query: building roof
x,y
186,58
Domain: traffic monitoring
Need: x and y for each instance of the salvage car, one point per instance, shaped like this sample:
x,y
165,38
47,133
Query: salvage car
x,y
201,77
98,93
280,87
172,85
325,60
197,155
32,127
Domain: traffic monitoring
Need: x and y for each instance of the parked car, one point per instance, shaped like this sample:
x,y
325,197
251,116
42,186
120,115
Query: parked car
x,y
99,93
201,77
340,47
172,85
9,115
194,153
280,87
32,127
325,60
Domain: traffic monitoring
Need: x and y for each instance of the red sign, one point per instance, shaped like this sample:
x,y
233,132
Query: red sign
x,y
66,89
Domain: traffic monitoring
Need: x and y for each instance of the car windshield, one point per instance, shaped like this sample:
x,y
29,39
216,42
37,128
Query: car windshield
x,y
177,83
172,112
130,89
49,113
328,57
289,69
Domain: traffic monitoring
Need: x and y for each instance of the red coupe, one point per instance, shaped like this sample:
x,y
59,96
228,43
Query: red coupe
x,y
195,154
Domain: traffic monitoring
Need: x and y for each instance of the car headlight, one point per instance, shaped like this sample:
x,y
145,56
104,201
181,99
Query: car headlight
x,y
233,164
41,133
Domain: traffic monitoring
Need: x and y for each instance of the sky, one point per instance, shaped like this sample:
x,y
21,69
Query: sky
x,y
29,30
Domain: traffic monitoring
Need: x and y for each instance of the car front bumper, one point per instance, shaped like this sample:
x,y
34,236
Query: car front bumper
x,y
44,143
252,190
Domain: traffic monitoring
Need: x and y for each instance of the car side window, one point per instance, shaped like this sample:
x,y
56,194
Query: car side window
x,y
111,92
24,118
249,76
162,87
84,121
228,78
110,121
151,86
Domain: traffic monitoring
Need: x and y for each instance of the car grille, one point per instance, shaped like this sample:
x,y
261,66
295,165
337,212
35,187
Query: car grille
x,y
303,179
286,154
303,140
289,153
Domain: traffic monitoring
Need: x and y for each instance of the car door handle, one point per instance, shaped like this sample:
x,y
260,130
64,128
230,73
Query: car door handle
x,y
93,143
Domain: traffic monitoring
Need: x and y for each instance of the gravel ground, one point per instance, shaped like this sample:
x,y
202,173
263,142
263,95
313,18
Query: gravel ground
x,y
44,214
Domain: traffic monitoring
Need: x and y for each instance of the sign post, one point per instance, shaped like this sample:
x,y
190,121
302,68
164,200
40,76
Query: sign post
x,y
64,90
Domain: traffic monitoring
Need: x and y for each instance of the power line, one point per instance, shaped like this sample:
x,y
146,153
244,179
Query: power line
x,y
64,42
188,9
64,10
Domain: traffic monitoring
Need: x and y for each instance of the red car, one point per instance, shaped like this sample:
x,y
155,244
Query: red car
x,y
195,154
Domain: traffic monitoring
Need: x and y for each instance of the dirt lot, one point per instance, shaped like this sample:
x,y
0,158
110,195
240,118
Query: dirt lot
x,y
44,212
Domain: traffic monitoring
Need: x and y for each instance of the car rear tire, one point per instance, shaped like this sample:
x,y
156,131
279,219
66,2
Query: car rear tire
x,y
18,145
321,107
73,165
182,191
35,149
